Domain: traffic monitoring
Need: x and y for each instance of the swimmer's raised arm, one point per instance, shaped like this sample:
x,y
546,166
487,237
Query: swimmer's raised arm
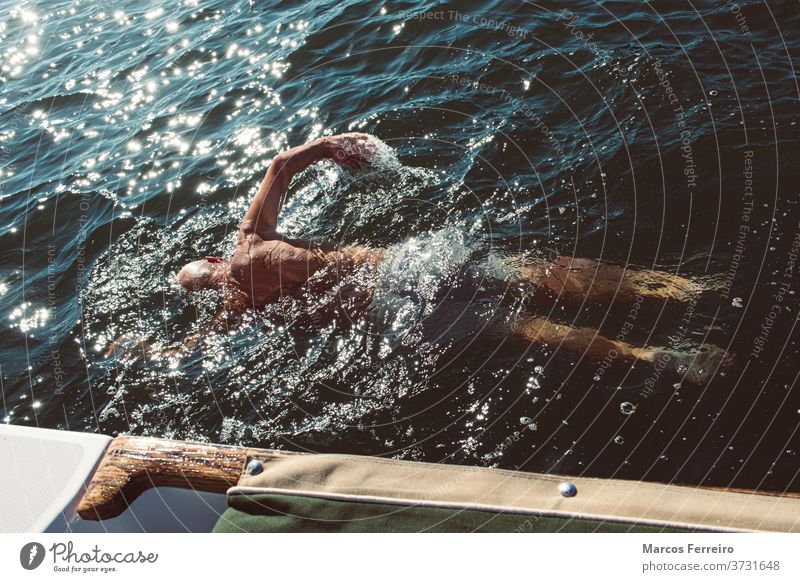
x,y
348,150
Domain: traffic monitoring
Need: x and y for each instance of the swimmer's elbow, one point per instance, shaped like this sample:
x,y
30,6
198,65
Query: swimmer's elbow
x,y
278,162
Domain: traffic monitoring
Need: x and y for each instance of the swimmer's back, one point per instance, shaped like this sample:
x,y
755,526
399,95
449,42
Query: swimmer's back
x,y
268,268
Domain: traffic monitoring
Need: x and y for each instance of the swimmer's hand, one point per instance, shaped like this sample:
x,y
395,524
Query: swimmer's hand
x,y
128,350
353,300
347,302
125,347
349,150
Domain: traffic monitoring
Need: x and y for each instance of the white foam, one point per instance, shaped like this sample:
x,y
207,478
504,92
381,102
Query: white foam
x,y
415,274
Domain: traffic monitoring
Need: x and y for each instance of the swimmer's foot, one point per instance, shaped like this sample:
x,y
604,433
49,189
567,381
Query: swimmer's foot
x,y
697,366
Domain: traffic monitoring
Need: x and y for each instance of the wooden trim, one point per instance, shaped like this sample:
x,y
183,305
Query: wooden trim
x,y
132,465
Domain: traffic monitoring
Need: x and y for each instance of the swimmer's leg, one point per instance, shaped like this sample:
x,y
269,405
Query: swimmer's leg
x,y
695,367
578,279
582,340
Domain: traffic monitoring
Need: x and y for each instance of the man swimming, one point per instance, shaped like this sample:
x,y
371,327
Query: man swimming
x,y
266,266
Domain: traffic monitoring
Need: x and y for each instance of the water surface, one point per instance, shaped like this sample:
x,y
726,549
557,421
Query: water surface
x,y
660,135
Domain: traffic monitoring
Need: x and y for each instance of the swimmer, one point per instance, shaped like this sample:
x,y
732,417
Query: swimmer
x,y
267,265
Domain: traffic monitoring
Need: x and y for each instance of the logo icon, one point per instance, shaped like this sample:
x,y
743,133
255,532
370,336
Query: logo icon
x,y
31,555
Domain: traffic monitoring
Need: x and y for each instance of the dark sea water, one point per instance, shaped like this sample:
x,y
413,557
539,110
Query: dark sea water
x,y
649,134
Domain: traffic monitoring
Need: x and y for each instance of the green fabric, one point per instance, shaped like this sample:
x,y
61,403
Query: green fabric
x,y
296,513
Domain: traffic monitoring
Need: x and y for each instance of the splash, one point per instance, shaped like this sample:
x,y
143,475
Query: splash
x,y
341,205
273,377
416,276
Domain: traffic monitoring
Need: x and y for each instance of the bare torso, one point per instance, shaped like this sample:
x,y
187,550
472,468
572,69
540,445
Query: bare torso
x,y
269,268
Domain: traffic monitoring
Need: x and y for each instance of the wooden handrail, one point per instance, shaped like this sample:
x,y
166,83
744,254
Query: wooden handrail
x,y
132,465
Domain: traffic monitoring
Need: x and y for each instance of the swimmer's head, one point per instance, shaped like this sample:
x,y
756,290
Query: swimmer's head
x,y
208,273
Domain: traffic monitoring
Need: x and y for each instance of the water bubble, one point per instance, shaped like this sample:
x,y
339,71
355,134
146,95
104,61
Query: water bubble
x,y
627,408
619,440
737,302
681,369
524,420
596,378
538,369
712,92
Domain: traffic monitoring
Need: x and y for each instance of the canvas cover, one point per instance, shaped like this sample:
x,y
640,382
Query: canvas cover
x,y
352,494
